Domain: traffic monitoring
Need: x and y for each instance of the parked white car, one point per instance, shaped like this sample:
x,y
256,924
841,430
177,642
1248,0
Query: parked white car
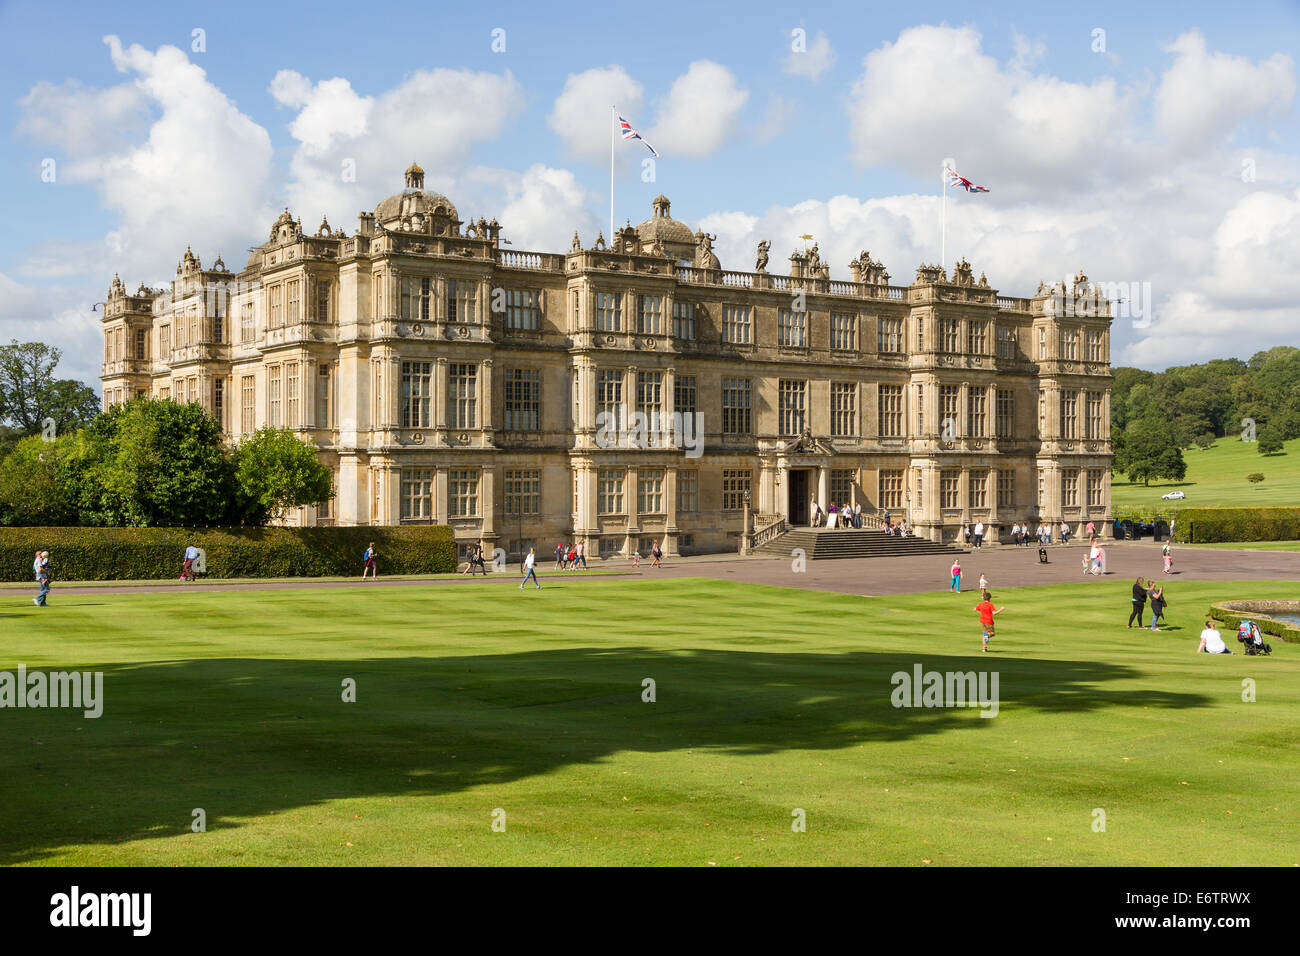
x,y
1174,495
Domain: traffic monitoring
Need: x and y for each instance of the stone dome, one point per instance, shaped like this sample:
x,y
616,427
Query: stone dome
x,y
663,227
414,200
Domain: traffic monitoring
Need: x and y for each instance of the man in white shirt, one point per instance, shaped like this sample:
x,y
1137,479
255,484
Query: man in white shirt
x,y
979,535
1212,641
191,555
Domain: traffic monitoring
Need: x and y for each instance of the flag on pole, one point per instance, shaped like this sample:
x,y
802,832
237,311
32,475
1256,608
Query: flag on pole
x,y
964,183
629,133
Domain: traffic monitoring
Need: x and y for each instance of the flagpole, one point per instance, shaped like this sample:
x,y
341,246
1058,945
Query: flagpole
x,y
943,221
613,118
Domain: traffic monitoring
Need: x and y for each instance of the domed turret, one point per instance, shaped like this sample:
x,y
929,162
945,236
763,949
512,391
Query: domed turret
x,y
675,238
415,209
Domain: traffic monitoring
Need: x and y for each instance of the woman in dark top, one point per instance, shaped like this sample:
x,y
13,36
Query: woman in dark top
x,y
1158,603
1139,604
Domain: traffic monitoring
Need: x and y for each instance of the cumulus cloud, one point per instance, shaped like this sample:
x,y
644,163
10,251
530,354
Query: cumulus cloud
x,y
813,60
581,115
80,120
700,112
1206,96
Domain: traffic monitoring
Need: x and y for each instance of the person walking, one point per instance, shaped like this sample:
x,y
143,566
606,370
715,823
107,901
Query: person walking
x,y
965,533
1168,553
41,566
371,558
984,582
1092,530
1065,532
655,554
1139,604
530,571
955,570
979,535
187,569
582,554
559,556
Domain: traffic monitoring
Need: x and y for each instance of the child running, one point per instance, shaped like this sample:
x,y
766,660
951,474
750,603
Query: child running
x,y
986,612
955,587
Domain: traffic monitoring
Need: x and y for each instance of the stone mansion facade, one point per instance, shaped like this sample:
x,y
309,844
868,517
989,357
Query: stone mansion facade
x,y
447,378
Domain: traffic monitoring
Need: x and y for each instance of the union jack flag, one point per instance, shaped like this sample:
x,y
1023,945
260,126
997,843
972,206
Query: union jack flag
x,y
629,133
964,183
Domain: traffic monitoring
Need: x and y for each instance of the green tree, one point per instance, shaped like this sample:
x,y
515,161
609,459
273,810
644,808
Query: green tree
x,y
29,392
1149,449
156,462
276,471
1269,440
33,489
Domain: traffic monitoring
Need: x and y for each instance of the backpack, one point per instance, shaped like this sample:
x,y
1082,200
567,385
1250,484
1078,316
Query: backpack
x,y
366,555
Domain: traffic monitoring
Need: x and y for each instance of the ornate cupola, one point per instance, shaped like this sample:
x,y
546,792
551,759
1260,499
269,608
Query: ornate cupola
x,y
414,176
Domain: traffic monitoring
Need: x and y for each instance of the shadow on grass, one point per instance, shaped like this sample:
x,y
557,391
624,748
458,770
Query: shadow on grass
x,y
244,738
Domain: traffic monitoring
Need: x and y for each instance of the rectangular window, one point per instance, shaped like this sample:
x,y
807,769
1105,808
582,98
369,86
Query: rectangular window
x,y
1042,489
165,343
293,300
842,485
1096,347
1070,488
1006,489
735,486
790,328
1006,342
650,491
1095,488
950,336
460,302
649,402
247,323
977,484
1042,344
844,409
684,320
1069,415
462,493
218,327
609,491
844,331
323,397
975,411
889,335
275,314
273,396
523,310
649,314
688,491
977,337
417,392
736,325
609,311
890,490
141,338
462,395
523,400
291,394
890,411
417,493
1006,413
1070,344
684,394
920,410
415,296
949,490
736,418
219,402
1096,423
949,410
609,399
248,410
523,492
322,300
791,406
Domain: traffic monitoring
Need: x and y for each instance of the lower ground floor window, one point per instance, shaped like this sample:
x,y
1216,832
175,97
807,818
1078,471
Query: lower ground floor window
x,y
610,546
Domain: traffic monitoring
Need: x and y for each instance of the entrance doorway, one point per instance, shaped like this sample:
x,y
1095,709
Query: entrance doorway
x,y
797,504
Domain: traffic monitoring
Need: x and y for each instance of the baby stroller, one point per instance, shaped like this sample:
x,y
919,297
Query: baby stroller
x,y
1249,635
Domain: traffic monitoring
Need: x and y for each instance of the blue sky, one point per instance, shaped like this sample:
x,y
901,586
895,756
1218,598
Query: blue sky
x,y
755,141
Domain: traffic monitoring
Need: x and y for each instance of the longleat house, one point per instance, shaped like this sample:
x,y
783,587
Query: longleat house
x,y
447,378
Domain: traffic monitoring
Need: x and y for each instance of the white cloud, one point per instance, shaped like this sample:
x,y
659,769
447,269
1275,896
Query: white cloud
x,y
545,206
581,115
83,121
1204,97
700,112
812,62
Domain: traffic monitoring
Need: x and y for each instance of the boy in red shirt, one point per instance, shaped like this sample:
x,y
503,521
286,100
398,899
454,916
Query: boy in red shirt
x,y
986,611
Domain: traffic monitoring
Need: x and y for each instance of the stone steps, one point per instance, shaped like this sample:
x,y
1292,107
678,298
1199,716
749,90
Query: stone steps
x,y
823,543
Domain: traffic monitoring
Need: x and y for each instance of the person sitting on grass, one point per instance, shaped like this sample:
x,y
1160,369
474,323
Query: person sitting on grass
x,y
986,612
1212,641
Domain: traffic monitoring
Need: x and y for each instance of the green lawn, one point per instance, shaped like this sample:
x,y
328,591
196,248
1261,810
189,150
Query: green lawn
x,y
481,697
1216,477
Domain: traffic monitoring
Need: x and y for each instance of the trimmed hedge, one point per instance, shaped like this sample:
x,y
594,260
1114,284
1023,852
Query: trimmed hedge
x,y
133,554
1208,525
1231,617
